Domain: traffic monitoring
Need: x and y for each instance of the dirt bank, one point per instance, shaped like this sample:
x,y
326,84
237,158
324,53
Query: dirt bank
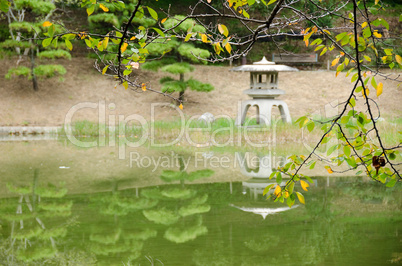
x,y
306,91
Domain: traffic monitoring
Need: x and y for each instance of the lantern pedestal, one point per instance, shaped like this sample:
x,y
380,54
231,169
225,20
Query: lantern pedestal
x,y
264,110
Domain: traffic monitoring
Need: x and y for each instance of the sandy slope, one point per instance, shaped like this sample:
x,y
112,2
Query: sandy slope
x,y
306,91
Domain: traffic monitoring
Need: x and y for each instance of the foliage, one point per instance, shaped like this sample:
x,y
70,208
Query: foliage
x,y
48,71
18,71
360,146
55,54
26,22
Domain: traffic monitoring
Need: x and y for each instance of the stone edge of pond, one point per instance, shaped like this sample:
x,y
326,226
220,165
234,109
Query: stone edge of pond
x,y
28,133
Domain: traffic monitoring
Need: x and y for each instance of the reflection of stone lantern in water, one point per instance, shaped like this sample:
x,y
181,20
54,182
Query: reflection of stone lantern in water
x,y
259,180
263,90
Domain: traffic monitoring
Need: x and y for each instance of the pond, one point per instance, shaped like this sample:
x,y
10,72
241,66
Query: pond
x,y
60,205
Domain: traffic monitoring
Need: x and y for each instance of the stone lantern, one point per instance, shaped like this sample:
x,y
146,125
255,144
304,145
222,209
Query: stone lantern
x,y
263,91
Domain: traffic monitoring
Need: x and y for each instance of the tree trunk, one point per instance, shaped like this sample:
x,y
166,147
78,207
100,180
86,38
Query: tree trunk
x,y
34,81
181,94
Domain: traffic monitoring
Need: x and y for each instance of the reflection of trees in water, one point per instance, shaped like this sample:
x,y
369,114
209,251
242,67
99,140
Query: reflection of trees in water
x,y
116,235
182,206
37,221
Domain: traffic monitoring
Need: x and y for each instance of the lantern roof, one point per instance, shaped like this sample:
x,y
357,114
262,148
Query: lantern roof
x,y
264,66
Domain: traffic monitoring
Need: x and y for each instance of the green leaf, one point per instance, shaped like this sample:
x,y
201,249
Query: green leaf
x,y
391,183
90,9
153,14
250,2
312,165
46,42
392,156
4,5
88,43
346,150
127,72
68,44
159,32
271,2
354,77
310,126
340,36
352,102
267,189
291,187
332,149
279,178
290,200
309,179
245,14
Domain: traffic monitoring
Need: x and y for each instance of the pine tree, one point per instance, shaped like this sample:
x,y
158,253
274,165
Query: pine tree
x,y
181,52
27,20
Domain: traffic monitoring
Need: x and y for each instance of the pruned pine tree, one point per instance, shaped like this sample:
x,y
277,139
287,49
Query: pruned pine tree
x,y
27,23
176,58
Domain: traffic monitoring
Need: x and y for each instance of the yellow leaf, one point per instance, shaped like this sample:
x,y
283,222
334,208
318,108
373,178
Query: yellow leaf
x,y
181,106
204,38
329,170
379,89
376,1
163,20
286,194
47,24
124,47
327,32
82,35
364,24
223,30
132,38
376,34
125,84
300,197
335,61
304,185
337,73
104,70
306,42
398,59
228,48
277,190
103,7
105,42
143,87
209,1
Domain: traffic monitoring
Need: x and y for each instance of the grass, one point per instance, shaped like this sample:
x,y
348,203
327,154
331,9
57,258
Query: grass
x,y
221,137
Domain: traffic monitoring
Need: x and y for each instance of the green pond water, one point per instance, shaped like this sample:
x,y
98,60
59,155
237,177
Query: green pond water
x,y
57,208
